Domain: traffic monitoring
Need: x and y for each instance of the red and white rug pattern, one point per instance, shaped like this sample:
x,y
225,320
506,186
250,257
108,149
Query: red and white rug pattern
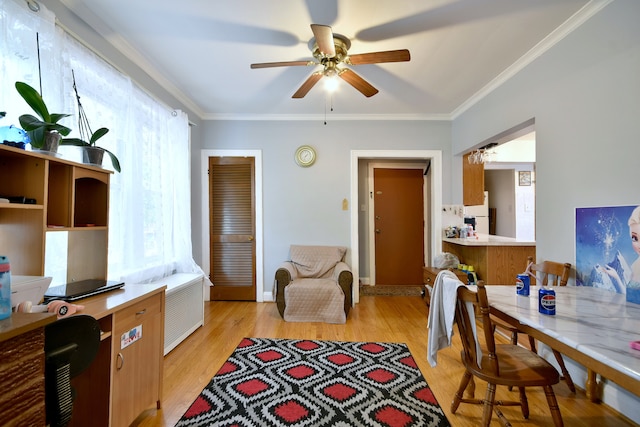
x,y
279,382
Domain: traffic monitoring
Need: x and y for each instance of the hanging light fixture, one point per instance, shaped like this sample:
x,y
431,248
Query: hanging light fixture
x,y
483,154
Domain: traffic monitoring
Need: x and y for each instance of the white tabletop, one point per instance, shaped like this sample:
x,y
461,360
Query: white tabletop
x,y
597,323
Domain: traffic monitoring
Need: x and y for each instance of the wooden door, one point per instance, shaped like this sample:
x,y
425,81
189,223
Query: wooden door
x,y
399,226
232,228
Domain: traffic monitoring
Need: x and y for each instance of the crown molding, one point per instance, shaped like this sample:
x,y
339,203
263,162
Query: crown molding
x,y
575,21
331,117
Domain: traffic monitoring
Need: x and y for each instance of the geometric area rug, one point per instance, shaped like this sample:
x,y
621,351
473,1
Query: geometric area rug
x,y
281,382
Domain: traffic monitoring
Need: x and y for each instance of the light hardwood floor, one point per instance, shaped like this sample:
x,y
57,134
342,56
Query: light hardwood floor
x,y
190,366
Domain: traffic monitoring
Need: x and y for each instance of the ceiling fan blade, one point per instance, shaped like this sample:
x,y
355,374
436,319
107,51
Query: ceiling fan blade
x,y
400,55
323,10
358,82
308,84
324,39
282,64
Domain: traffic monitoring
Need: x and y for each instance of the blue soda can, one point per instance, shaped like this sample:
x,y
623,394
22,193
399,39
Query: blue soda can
x,y
522,285
547,301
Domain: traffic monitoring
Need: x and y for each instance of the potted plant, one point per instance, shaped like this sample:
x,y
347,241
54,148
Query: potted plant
x,y
91,153
45,132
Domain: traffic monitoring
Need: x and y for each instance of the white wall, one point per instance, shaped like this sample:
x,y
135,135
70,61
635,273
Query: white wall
x,y
502,197
584,94
304,205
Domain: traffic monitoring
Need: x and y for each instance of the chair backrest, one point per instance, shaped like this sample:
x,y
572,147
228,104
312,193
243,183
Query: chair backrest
x,y
316,261
70,345
551,273
464,318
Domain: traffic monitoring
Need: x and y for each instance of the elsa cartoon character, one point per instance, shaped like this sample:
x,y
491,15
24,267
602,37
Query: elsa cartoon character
x,y
634,232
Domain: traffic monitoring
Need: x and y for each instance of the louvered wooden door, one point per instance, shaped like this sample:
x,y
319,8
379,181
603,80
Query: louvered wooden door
x,y
232,228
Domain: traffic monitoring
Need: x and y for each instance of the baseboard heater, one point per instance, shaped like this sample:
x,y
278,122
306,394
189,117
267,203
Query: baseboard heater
x,y
184,307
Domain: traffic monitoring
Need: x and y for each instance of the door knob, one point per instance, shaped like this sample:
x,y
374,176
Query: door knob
x,y
377,231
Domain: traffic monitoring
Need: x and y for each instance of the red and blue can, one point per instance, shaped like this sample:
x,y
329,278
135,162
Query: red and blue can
x,y
522,285
547,301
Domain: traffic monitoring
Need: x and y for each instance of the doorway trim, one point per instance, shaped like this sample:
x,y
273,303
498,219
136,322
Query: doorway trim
x,y
204,176
435,156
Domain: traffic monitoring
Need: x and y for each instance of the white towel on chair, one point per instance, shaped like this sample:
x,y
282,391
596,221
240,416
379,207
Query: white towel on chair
x,y
442,313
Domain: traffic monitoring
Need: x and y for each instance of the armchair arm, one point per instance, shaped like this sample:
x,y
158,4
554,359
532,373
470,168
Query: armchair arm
x,y
285,274
342,274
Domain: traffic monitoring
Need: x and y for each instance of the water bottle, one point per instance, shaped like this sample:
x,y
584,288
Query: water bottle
x,y
5,288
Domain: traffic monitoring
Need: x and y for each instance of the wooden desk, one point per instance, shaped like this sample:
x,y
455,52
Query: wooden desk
x,y
592,326
119,384
22,368
123,382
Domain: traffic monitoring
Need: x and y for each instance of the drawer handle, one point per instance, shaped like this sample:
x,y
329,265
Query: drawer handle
x,y
141,312
119,361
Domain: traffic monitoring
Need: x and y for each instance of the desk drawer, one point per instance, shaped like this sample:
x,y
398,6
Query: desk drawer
x,y
138,312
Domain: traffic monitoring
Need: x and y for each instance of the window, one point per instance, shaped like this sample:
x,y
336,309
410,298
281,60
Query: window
x,y
150,215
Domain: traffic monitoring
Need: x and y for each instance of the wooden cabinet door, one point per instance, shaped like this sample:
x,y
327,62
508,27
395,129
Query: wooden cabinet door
x,y
472,182
137,361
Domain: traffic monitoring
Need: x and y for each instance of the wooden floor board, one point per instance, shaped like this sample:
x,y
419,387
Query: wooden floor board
x,y
191,365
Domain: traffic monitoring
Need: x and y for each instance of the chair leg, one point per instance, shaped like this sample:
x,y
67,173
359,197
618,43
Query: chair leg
x,y
553,406
488,404
471,389
565,373
457,398
524,403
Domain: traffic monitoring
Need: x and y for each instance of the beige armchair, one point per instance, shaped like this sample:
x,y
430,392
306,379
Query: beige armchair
x,y
315,285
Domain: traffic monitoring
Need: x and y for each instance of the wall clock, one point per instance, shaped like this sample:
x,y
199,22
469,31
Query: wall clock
x,y
305,155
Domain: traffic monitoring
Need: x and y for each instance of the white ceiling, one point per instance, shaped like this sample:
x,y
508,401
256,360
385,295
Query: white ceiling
x,y
201,50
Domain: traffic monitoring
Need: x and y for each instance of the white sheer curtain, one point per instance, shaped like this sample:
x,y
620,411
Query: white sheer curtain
x,y
19,30
150,214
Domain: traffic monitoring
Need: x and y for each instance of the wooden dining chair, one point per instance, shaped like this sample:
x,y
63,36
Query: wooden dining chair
x,y
548,273
498,364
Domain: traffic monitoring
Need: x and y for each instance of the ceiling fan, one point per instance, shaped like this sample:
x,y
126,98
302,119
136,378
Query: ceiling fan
x,y
331,51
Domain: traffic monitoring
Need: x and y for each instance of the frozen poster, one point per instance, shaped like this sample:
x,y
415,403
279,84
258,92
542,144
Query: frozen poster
x,y
608,250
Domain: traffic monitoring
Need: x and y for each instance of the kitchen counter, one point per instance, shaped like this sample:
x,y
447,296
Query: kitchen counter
x,y
488,240
496,259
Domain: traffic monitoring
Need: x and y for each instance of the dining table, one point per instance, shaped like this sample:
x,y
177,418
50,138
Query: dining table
x,y
593,326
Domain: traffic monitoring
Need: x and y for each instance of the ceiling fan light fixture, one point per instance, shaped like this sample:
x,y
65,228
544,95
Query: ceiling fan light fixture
x,y
330,50
331,83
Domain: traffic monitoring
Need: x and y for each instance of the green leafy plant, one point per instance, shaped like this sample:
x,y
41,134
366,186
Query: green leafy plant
x,y
47,122
88,138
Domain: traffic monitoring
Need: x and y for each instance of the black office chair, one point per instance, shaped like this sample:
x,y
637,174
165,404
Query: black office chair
x,y
70,345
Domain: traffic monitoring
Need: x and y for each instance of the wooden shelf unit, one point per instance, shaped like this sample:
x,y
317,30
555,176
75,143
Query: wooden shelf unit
x,y
69,197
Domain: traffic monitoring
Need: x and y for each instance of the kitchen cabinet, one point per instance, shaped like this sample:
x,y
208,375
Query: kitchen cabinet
x,y
496,260
472,182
